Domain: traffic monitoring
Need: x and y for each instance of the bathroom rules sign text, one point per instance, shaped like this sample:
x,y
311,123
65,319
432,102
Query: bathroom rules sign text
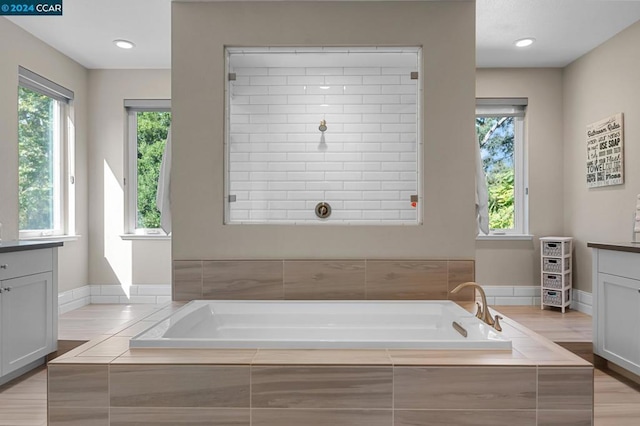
x,y
605,153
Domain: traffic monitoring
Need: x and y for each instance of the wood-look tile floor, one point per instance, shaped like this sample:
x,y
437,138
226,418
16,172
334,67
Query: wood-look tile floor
x,y
23,402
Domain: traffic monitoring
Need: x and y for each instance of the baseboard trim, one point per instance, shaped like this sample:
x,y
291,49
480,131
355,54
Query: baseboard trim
x,y
149,293
512,295
73,299
102,293
530,296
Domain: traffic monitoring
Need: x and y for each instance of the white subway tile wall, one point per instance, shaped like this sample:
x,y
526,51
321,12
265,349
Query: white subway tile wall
x,y
280,165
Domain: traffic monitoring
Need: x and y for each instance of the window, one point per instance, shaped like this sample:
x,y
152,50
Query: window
x,y
500,128
148,127
45,148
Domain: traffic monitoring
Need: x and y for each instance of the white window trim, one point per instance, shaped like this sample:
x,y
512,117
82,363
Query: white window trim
x,y
64,160
504,107
132,107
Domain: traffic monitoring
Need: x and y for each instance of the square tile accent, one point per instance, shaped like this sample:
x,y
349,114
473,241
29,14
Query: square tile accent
x,y
324,279
179,386
243,279
78,386
284,417
321,387
565,388
465,388
187,280
410,280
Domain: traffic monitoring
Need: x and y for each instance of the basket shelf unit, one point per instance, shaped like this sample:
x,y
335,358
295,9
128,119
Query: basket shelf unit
x,y
555,275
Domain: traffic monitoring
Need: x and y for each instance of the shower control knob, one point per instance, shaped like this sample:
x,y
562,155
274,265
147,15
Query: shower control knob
x,y
323,210
4,266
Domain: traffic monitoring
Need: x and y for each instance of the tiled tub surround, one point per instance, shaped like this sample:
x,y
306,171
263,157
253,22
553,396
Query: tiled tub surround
x,y
280,165
321,279
104,383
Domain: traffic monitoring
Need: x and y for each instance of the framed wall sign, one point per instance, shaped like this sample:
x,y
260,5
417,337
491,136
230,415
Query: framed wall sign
x,y
605,153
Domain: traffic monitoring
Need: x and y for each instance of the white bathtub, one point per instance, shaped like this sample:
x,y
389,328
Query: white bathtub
x,y
320,325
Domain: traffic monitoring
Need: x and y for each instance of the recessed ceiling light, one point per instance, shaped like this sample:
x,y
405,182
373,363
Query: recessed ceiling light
x,y
124,44
524,42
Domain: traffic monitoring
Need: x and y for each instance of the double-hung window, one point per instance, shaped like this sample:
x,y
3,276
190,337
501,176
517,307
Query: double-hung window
x,y
148,127
45,151
500,129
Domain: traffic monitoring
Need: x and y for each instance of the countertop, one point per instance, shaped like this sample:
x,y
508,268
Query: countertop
x,y
11,246
629,247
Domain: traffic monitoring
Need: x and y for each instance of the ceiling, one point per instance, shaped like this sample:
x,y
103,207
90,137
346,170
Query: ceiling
x,y
564,30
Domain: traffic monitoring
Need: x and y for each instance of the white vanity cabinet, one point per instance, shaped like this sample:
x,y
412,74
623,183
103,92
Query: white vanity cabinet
x,y
616,298
28,308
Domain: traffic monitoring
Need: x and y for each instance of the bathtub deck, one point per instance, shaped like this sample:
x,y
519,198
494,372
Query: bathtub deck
x,y
538,382
529,348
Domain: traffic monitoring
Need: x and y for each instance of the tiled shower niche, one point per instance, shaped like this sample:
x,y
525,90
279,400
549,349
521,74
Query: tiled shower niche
x,y
339,126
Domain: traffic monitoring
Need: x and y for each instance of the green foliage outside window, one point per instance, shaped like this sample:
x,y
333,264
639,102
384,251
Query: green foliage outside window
x,y
35,167
497,148
152,137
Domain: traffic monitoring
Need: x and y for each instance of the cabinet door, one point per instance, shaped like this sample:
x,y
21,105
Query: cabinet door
x,y
619,320
26,325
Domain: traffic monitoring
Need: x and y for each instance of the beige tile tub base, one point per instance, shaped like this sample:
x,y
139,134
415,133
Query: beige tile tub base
x,y
538,383
288,279
315,395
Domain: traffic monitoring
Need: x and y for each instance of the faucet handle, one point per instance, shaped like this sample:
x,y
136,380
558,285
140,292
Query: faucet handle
x,y
496,323
479,311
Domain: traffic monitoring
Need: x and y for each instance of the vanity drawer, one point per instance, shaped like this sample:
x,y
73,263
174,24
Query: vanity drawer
x,y
620,263
26,262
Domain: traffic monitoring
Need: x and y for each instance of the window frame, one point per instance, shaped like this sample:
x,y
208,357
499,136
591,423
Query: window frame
x,y
516,108
132,108
64,158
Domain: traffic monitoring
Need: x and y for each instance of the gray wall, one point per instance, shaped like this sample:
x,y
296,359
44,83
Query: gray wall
x,y
445,30
601,83
113,260
504,262
20,48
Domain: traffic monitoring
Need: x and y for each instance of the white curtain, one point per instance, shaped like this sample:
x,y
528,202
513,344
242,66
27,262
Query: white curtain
x,y
482,194
163,196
